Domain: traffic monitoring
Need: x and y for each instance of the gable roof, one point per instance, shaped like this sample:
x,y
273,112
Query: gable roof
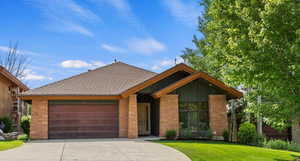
x,y
5,73
233,92
109,80
158,77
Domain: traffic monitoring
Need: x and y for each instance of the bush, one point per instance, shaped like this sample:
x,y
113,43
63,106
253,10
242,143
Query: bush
x,y
186,133
260,140
208,134
23,137
226,135
283,145
8,124
247,133
25,124
171,134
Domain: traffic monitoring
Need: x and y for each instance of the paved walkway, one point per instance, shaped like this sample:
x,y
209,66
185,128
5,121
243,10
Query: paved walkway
x,y
92,150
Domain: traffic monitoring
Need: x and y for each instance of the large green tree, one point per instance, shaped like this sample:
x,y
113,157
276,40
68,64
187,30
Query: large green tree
x,y
254,44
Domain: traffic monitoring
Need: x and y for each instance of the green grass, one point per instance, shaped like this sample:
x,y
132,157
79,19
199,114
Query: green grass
x,y
5,145
221,151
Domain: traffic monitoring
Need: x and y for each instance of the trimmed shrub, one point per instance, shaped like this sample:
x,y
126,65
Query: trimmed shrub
x,y
23,137
226,135
171,134
282,145
247,133
8,124
25,124
186,133
207,134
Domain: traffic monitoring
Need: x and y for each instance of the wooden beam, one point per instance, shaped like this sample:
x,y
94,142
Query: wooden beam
x,y
179,67
71,97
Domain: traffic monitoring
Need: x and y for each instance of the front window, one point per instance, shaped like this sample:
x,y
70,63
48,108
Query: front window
x,y
194,119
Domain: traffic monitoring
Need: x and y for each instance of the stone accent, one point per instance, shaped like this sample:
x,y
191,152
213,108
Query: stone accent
x,y
296,130
39,119
123,117
217,114
132,117
169,116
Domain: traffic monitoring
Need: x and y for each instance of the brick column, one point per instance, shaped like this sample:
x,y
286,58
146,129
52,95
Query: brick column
x,y
39,119
296,130
168,114
123,118
132,117
217,115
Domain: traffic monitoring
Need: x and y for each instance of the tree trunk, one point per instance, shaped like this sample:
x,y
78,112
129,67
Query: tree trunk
x,y
233,128
296,130
259,120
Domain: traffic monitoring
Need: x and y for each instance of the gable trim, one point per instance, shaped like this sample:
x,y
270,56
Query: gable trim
x,y
184,81
13,79
179,67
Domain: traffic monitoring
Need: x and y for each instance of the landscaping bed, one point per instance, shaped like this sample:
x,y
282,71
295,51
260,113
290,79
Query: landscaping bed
x,y
223,151
5,145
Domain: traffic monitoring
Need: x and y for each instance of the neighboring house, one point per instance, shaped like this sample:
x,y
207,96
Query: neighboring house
x,y
10,103
120,100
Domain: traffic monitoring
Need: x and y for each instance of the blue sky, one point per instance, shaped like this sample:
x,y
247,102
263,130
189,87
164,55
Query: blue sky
x,y
66,37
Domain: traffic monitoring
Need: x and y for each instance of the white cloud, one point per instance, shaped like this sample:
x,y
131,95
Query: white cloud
x,y
145,46
81,64
183,11
30,75
112,48
166,63
66,15
26,52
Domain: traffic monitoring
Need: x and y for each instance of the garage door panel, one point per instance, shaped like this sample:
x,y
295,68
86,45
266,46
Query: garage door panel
x,y
83,121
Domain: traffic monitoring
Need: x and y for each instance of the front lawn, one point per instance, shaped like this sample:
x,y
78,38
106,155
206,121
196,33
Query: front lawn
x,y
4,145
222,151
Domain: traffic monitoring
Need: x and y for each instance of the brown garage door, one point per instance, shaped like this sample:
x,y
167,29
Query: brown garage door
x,y
88,120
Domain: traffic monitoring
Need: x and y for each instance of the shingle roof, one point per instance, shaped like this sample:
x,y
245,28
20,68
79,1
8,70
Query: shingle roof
x,y
112,79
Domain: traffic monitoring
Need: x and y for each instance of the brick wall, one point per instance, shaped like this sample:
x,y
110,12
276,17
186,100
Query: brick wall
x,y
169,118
39,122
217,114
132,117
123,118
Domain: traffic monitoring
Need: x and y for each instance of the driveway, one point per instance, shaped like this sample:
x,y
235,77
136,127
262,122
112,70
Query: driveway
x,y
93,150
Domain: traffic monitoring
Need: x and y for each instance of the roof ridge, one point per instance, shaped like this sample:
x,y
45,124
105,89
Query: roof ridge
x,y
137,67
77,75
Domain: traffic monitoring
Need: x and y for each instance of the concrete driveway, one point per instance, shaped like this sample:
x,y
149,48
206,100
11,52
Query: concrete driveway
x,y
93,150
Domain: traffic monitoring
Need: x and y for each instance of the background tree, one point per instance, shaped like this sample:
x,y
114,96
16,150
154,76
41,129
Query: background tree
x,y
14,61
254,44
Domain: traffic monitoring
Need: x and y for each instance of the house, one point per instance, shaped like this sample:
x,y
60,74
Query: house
x,y
10,103
120,100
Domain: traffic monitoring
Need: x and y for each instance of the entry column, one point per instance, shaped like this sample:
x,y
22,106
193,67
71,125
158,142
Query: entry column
x,y
132,117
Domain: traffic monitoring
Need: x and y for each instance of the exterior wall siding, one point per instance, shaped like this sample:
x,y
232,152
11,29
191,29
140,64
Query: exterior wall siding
x,y
123,117
5,98
169,118
217,114
132,117
39,116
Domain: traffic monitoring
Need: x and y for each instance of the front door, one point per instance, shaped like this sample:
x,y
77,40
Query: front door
x,y
144,118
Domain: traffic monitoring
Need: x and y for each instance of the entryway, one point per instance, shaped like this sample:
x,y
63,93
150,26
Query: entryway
x,y
144,123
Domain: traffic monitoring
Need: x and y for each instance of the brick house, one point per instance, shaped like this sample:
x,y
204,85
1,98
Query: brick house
x,y
120,100
10,103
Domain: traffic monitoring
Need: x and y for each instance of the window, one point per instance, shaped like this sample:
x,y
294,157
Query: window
x,y
193,117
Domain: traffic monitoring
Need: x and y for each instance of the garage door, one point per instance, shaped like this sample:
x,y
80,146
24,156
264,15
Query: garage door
x,y
82,120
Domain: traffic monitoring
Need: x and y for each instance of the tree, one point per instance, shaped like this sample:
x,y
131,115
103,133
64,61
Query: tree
x,y
14,61
254,44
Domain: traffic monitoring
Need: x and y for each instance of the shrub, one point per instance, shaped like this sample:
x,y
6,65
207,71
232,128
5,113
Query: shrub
x,y
283,145
23,137
25,124
226,135
260,140
247,133
208,134
8,124
186,133
171,134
